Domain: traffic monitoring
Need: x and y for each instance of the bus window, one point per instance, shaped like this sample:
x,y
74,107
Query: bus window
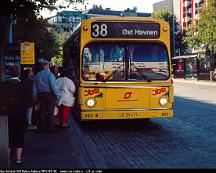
x,y
126,61
149,61
105,60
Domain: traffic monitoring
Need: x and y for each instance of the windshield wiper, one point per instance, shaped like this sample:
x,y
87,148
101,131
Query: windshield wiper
x,y
111,74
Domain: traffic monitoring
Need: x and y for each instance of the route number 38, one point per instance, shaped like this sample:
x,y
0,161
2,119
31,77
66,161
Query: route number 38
x,y
99,30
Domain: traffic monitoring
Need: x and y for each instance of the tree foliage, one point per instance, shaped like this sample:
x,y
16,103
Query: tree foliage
x,y
164,15
46,39
175,34
203,33
27,26
19,7
20,11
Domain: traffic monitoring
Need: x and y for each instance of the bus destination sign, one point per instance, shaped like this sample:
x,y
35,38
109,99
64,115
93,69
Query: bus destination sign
x,y
125,30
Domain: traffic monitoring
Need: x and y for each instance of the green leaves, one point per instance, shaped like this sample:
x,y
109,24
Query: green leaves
x,y
175,35
164,15
203,33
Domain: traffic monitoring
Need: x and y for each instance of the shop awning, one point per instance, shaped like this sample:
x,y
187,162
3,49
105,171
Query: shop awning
x,y
185,56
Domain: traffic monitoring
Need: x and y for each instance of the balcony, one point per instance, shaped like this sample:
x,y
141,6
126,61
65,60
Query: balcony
x,y
199,1
187,3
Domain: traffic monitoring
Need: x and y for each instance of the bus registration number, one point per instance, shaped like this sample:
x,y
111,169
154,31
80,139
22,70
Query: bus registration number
x,y
129,115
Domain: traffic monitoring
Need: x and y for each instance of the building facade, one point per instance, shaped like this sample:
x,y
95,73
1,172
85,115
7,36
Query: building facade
x,y
189,15
172,6
189,12
111,13
66,21
186,11
91,13
197,64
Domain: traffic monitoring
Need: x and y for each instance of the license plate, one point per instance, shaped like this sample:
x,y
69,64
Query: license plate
x,y
129,115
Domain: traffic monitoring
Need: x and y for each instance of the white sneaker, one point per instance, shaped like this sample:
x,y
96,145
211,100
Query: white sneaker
x,y
32,127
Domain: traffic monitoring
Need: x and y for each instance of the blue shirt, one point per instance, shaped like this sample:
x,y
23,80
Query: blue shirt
x,y
44,81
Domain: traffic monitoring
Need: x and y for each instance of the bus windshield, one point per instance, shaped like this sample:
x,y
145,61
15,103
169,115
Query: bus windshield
x,y
141,61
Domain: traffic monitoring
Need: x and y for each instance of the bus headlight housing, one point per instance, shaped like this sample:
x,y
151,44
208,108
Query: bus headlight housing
x,y
90,102
163,100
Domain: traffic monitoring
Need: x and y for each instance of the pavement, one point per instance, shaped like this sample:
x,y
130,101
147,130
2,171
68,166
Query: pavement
x,y
62,149
195,81
69,148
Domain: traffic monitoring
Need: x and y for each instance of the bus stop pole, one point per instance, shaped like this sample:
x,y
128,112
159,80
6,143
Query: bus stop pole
x,y
4,150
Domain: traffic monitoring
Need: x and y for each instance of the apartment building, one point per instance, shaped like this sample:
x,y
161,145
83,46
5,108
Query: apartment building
x,y
66,21
189,12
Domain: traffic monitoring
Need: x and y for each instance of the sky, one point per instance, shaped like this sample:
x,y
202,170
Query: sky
x,y
118,5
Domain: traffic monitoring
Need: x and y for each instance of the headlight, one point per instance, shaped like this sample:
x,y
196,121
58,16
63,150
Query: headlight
x,y
90,102
163,100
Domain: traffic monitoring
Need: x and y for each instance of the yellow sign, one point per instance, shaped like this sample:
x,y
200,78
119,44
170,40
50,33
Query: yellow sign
x,y
27,53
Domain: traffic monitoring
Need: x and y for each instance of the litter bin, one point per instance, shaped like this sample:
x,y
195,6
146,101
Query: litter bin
x,y
4,140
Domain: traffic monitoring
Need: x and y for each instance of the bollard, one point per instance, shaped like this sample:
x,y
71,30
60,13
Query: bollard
x,y
4,140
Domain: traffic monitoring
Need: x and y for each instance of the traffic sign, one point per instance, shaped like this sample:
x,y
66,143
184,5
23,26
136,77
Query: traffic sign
x,y
27,53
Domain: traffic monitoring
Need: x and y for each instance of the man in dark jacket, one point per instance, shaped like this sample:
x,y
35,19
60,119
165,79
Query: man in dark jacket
x,y
46,93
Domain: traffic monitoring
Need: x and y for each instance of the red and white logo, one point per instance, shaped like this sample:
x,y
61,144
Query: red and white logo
x,y
127,95
90,92
158,91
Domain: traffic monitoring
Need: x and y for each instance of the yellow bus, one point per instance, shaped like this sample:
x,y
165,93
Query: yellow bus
x,y
122,68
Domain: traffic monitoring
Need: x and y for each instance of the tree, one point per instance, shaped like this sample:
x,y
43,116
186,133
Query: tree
x,y
203,33
46,39
176,44
25,13
58,58
26,10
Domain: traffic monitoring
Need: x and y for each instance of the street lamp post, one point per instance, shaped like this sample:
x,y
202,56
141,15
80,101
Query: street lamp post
x,y
211,56
173,27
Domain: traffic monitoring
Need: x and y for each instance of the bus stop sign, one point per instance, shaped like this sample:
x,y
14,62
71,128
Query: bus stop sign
x,y
27,53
